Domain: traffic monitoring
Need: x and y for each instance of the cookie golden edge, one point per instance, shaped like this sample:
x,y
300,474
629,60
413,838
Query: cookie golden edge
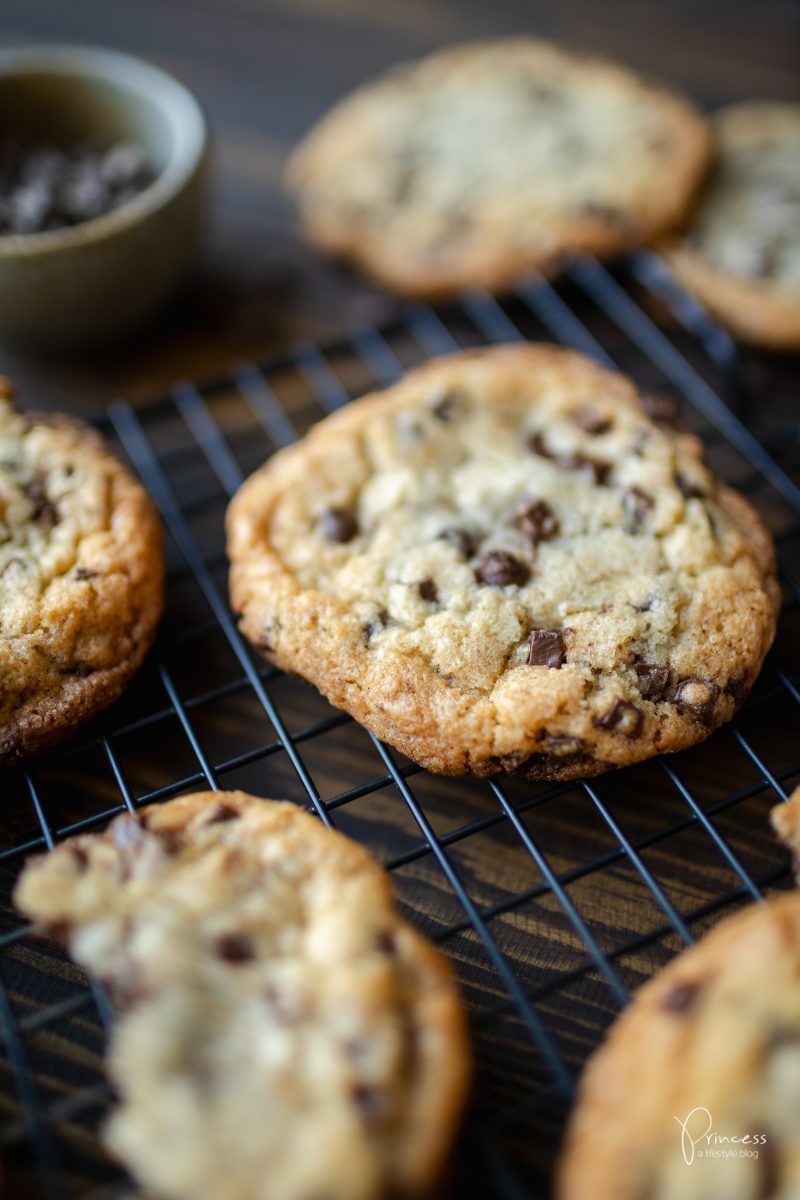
x,y
624,1096
48,718
438,1098
751,310
436,730
482,264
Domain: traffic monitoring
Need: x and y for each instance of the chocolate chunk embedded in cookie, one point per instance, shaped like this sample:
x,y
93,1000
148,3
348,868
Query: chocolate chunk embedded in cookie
x,y
497,607
487,160
693,1095
272,1002
81,577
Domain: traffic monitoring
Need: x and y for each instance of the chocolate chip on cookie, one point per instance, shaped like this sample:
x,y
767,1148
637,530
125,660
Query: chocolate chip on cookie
x,y
697,697
637,503
536,520
339,525
546,648
428,590
622,717
500,569
653,679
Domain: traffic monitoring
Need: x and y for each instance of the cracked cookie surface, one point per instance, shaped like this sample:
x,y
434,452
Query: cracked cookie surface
x,y
487,160
81,577
712,1045
271,998
503,563
741,252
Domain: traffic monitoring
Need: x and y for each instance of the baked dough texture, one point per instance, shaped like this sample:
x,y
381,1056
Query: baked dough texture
x,y
490,159
694,1095
502,563
283,1033
740,254
81,577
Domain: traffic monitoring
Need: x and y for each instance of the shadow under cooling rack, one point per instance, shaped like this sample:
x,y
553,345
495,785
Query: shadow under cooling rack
x,y
554,902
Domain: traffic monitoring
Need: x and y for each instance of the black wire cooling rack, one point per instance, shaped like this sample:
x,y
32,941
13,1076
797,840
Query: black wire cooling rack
x,y
554,902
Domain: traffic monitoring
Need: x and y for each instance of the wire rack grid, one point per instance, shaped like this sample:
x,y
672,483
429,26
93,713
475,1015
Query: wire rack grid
x,y
554,901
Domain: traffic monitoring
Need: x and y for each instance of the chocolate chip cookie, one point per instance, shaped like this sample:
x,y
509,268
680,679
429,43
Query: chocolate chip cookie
x,y
81,577
484,161
284,1033
741,252
503,563
694,1094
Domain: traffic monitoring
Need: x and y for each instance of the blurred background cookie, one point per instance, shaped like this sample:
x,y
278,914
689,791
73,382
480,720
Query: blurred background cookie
x,y
487,160
740,254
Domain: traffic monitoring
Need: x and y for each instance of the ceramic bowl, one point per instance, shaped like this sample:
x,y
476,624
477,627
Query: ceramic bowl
x,y
100,280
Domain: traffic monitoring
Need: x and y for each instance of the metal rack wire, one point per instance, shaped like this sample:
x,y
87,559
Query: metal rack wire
x,y
554,901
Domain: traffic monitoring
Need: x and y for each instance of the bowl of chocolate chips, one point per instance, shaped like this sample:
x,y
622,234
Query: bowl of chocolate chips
x,y
102,169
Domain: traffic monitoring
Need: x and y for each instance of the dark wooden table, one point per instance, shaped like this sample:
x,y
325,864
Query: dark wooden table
x,y
266,69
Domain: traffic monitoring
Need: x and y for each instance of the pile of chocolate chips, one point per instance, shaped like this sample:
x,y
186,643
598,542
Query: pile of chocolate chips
x,y
44,187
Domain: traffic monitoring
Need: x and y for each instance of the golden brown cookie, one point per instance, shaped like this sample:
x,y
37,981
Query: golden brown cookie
x,y
694,1094
502,563
284,1033
81,577
740,254
487,160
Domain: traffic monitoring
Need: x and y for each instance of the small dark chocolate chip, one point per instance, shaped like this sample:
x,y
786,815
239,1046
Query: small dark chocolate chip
x,y
536,520
637,504
500,569
537,445
378,622
591,421
462,540
622,717
339,525
682,997
428,590
688,489
83,573
44,513
697,697
594,470
564,746
447,406
653,680
546,648
660,407
234,948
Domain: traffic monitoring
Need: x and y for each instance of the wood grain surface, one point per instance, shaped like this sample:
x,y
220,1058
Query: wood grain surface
x,y
544,867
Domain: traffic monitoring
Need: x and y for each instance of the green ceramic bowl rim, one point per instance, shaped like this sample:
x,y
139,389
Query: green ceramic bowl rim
x,y
177,104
